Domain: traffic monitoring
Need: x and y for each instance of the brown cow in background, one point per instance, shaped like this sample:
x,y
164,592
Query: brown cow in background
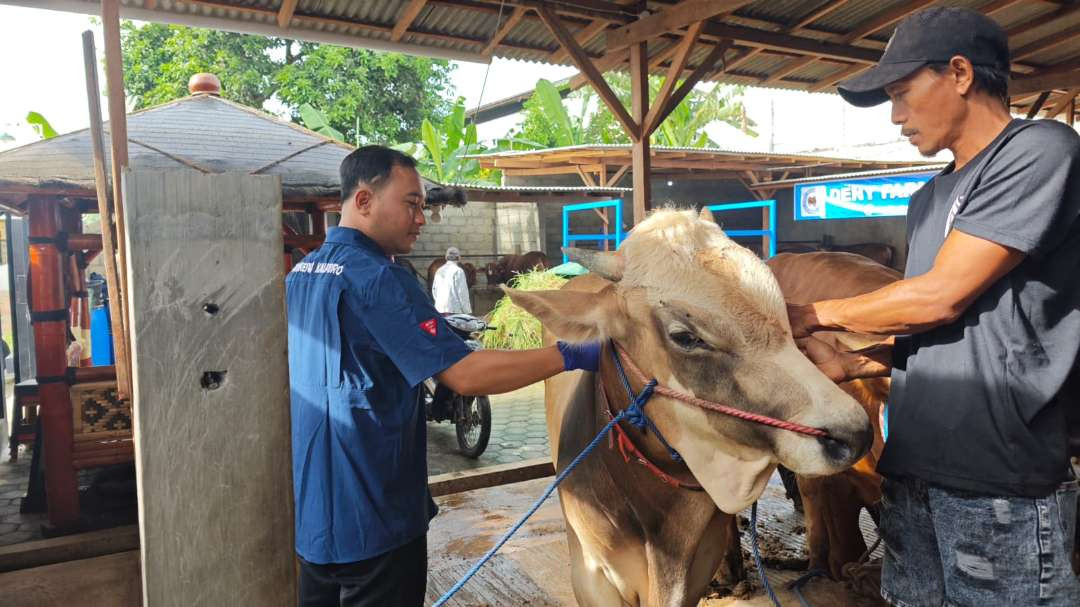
x,y
832,504
503,270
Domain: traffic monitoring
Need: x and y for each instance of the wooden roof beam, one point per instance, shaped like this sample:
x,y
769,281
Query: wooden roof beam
x,y
660,111
747,36
1063,102
1045,82
504,30
1041,20
1048,42
678,64
675,17
285,13
588,68
583,37
1035,107
816,14
406,18
873,25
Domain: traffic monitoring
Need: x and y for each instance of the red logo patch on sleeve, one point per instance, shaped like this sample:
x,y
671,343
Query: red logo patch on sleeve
x,y
431,327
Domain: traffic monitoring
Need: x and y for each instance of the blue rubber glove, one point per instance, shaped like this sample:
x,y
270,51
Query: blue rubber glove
x,y
583,356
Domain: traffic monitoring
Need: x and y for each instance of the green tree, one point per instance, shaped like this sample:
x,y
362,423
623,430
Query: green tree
x,y
548,121
443,146
366,96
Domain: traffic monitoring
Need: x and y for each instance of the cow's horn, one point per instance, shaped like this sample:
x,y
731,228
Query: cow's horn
x,y
706,215
606,265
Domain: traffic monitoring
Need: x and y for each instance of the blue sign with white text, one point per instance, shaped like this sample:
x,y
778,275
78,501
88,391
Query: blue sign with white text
x,y
858,198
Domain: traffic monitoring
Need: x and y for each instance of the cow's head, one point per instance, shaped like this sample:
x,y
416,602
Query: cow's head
x,y
705,316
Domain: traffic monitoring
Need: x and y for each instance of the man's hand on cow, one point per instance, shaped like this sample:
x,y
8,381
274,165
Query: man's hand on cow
x,y
583,356
826,358
804,320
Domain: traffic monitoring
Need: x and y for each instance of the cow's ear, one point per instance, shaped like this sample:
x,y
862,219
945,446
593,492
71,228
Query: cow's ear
x,y
575,315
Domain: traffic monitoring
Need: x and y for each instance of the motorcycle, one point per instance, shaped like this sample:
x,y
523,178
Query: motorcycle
x,y
471,415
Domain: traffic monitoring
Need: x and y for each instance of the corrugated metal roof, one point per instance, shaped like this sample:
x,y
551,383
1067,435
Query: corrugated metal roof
x,y
203,133
931,168
540,188
460,29
659,149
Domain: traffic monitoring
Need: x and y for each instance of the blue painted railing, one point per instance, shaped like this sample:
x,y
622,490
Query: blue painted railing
x,y
616,234
770,231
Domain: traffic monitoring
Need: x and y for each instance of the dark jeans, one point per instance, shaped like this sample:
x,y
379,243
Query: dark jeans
x,y
950,548
395,579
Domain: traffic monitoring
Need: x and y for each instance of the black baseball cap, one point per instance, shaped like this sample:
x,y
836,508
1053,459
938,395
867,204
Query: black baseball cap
x,y
934,35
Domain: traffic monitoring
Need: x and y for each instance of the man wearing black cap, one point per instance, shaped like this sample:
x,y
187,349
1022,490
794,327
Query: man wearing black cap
x,y
979,503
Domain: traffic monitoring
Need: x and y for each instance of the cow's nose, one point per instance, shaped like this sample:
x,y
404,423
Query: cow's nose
x,y
847,444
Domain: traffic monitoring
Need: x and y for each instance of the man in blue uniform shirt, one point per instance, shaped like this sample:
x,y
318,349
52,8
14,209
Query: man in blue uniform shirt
x,y
362,336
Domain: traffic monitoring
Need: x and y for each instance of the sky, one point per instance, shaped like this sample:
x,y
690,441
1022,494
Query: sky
x,y
43,72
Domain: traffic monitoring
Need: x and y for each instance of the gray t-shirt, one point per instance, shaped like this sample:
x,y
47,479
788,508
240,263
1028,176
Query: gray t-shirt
x,y
978,405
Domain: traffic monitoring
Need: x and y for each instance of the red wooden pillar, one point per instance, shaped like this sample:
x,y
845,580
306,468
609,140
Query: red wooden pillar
x,y
49,312
318,222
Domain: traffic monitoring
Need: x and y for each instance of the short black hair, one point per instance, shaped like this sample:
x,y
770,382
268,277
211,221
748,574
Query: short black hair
x,y
989,80
371,164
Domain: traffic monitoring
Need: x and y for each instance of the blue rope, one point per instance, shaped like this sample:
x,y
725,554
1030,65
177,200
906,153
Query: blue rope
x,y
636,409
757,557
797,585
536,506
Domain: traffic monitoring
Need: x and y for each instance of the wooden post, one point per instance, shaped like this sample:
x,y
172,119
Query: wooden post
x,y
642,163
114,79
49,315
108,245
71,222
211,382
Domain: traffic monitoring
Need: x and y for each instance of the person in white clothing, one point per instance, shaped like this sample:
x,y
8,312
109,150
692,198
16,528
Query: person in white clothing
x,y
449,287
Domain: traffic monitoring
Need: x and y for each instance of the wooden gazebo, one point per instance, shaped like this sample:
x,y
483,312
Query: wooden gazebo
x,y
84,422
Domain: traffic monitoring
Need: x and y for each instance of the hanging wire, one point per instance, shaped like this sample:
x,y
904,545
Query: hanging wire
x,y
487,71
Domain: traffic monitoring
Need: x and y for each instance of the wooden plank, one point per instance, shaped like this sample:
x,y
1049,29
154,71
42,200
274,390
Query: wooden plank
x,y
504,30
285,13
588,68
490,476
68,548
114,81
214,466
104,581
113,278
838,76
640,155
672,18
406,18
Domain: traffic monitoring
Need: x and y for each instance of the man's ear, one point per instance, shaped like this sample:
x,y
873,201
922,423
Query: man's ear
x,y
361,199
963,74
575,315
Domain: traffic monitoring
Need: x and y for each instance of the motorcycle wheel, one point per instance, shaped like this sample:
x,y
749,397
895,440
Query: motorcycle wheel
x,y
473,424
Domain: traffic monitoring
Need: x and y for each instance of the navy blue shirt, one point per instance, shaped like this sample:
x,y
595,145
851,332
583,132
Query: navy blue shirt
x,y
362,337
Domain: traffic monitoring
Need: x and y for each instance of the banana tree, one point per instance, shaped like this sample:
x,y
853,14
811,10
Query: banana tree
x,y
318,122
443,149
40,125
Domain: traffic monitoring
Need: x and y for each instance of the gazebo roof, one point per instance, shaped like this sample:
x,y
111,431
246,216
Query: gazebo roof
x,y
800,44
202,133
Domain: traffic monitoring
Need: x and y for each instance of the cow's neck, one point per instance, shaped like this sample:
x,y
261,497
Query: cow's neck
x,y
647,443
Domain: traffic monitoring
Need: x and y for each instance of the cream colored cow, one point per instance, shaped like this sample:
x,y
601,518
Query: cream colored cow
x,y
704,316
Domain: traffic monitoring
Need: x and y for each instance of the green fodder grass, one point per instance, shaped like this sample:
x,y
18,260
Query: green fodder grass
x,y
516,329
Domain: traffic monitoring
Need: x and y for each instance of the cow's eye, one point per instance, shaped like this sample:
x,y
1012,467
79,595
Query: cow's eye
x,y
687,340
